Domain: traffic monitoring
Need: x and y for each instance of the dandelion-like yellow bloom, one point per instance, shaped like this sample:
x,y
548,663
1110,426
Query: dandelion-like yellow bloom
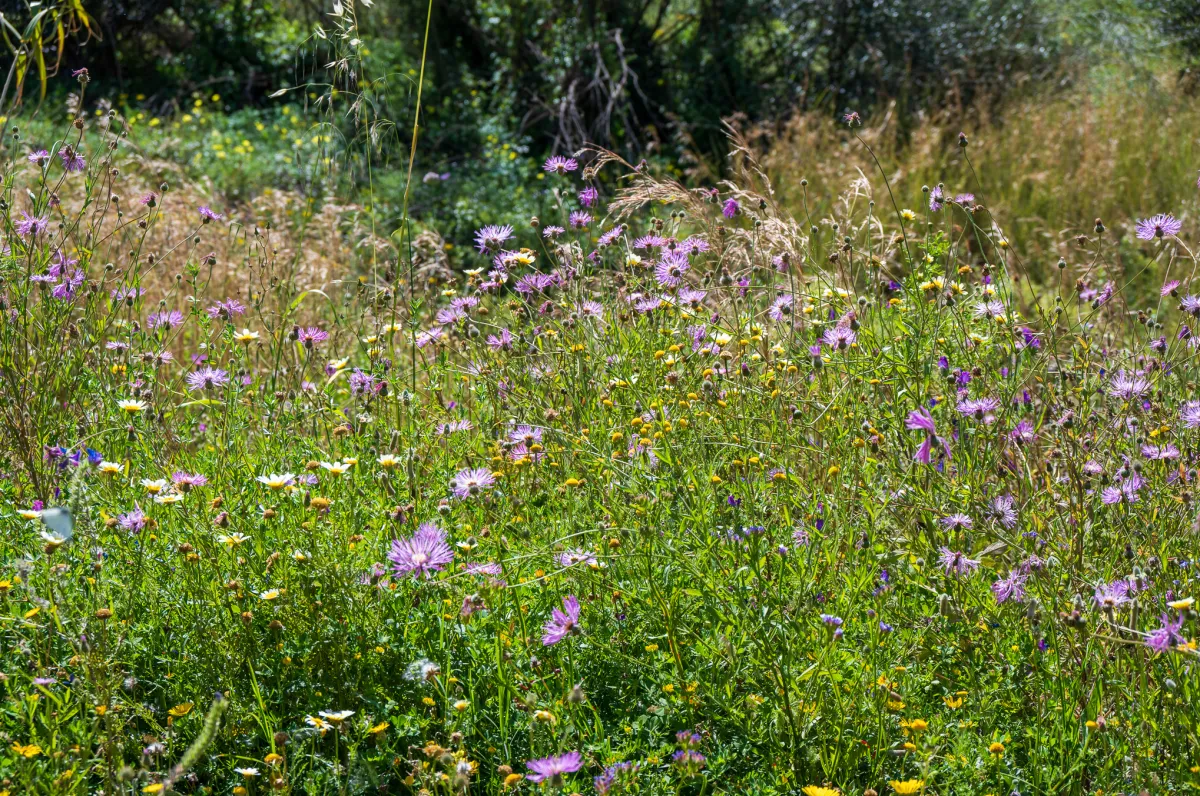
x,y
907,787
818,790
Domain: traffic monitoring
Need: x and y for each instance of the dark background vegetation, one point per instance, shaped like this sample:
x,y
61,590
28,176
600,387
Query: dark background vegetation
x,y
630,74
508,83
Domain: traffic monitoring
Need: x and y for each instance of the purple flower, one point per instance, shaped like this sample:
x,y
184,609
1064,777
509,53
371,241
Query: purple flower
x,y
1023,432
649,242
207,378
502,343
580,219
167,319
551,769
207,214
590,309
955,563
1168,288
71,159
935,198
560,165
1111,595
39,157
186,482
552,231
955,521
120,294
32,226
671,268
839,337
533,283
423,554
979,408
609,237
588,196
312,335
471,482
730,208
1163,225
562,623
133,521
1167,636
1189,413
921,420
1128,387
1167,451
781,306
1002,509
492,237
226,309
1010,588
576,556
361,383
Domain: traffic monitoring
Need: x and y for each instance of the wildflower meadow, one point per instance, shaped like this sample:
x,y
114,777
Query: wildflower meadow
x,y
673,488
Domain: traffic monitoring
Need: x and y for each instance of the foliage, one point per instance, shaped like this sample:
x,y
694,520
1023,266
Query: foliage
x,y
718,498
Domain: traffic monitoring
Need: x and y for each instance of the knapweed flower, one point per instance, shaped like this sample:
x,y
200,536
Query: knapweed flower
x,y
1168,635
1189,414
1110,596
226,310
1002,510
72,160
935,199
207,214
39,157
133,521
1128,386
1010,588
560,165
671,268
979,409
207,378
186,482
956,563
1126,491
167,319
551,769
577,556
312,335
839,337
492,237
579,219
1163,225
471,482
921,420
31,226
588,196
424,553
730,208
362,383
562,623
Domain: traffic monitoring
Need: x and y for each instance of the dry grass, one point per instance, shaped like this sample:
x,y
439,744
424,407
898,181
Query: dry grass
x,y
1046,169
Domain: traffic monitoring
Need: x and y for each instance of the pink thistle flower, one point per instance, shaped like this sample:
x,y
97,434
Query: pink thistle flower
x,y
562,623
422,554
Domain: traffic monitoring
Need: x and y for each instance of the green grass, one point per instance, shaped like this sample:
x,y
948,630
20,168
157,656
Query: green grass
x,y
720,499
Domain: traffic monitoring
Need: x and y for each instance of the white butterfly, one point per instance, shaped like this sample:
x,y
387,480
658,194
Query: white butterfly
x,y
58,519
